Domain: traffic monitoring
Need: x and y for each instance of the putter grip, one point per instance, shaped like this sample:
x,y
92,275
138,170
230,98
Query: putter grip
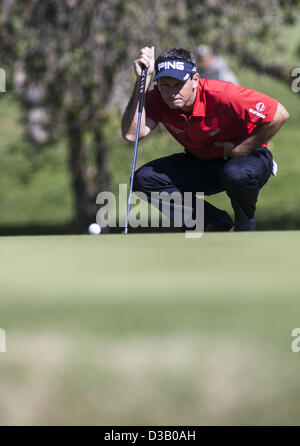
x,y
142,88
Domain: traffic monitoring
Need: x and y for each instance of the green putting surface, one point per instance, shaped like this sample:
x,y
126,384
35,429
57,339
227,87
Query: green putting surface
x,y
150,329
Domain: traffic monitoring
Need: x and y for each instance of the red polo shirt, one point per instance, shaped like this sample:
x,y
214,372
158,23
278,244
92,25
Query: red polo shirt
x,y
222,112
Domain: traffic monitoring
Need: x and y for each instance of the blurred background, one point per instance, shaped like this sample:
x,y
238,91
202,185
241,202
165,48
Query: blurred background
x,y
69,75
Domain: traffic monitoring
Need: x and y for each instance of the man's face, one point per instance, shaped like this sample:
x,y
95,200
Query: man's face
x,y
178,94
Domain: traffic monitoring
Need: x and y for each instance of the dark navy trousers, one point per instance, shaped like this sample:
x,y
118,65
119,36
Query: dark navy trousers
x,y
241,178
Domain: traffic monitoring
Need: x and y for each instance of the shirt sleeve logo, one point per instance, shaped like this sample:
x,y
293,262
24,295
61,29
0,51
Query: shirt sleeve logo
x,y
260,106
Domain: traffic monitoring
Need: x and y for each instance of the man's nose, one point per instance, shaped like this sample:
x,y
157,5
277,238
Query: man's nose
x,y
173,89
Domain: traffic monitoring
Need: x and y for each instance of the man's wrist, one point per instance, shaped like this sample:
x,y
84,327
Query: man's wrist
x,y
241,150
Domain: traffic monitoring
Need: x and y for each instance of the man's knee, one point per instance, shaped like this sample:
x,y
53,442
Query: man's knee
x,y
238,176
142,178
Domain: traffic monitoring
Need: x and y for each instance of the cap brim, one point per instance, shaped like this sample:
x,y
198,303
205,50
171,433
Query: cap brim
x,y
180,75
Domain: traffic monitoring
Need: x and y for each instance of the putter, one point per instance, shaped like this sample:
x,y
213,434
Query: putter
x,y
136,142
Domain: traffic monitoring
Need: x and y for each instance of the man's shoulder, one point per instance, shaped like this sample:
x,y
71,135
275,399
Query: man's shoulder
x,y
224,92
154,98
155,107
214,93
154,93
214,86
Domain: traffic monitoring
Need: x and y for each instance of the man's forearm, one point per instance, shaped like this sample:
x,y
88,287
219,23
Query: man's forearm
x,y
261,134
130,116
129,119
258,137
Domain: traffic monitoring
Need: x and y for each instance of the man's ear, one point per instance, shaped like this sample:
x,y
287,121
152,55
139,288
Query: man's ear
x,y
196,77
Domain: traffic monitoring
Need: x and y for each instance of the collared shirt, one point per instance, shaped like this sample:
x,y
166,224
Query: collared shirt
x,y
222,112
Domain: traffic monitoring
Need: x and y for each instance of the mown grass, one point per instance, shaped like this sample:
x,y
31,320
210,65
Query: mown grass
x,y
150,329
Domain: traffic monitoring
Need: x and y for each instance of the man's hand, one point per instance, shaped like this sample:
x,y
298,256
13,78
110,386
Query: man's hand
x,y
130,116
146,58
228,149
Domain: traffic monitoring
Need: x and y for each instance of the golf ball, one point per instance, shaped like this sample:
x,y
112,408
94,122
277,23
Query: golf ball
x,y
94,229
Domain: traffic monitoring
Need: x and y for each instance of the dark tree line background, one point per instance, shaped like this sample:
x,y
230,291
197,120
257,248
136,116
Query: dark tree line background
x,y
69,58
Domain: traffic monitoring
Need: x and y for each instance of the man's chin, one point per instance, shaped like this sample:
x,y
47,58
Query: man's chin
x,y
175,104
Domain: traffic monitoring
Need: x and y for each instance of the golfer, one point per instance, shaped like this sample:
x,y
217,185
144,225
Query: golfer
x,y
223,128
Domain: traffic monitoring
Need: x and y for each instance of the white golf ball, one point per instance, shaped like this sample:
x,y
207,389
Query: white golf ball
x,y
94,229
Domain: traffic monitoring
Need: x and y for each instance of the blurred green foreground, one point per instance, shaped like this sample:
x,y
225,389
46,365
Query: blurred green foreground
x,y
150,329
